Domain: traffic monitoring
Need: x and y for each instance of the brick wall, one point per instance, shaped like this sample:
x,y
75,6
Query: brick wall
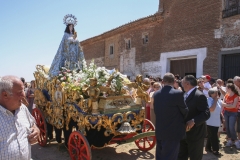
x,y
191,24
144,52
94,49
99,46
230,32
110,60
182,25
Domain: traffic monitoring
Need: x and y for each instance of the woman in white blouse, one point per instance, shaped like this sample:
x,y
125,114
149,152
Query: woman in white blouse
x,y
213,123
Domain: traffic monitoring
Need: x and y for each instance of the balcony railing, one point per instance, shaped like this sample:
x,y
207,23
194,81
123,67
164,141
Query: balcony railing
x,y
231,12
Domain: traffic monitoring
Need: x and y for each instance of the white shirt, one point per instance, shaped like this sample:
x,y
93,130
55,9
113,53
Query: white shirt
x,y
14,130
206,85
189,92
214,119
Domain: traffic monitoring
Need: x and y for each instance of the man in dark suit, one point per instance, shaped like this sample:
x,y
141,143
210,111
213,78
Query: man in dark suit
x,y
192,145
170,111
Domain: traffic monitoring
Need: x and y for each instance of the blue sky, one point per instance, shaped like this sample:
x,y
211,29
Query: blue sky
x,y
31,30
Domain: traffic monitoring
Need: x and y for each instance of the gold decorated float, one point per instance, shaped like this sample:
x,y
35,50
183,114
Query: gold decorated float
x,y
103,105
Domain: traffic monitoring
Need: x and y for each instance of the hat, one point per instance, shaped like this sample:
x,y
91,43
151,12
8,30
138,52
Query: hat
x,y
208,77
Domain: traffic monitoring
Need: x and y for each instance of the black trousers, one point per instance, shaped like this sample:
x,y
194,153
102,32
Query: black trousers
x,y
167,150
212,141
192,149
58,133
69,131
238,122
49,130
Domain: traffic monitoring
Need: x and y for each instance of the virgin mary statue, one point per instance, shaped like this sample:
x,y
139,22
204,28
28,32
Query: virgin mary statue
x,y
69,54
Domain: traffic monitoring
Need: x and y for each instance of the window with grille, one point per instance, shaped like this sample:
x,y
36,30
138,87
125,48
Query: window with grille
x,y
230,8
145,39
111,49
128,44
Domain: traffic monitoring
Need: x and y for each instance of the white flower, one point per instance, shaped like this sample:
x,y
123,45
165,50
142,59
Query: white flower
x,y
106,77
104,84
74,72
113,83
123,76
97,75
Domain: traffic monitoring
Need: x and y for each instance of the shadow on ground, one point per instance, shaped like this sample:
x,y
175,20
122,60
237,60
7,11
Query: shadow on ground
x,y
129,151
110,153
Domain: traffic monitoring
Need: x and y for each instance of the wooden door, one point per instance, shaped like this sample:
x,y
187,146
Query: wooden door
x,y
183,67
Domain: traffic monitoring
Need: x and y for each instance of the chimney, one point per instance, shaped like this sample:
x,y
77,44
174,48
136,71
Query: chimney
x,y
160,6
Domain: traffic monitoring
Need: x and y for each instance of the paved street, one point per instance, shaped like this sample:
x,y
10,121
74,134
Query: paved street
x,y
117,152
121,152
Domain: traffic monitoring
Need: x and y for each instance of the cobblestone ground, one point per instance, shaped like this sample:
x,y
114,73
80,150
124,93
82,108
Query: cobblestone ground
x,y
122,152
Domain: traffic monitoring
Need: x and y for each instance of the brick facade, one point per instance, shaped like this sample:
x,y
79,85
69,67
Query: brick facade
x,y
98,47
229,32
178,26
191,24
229,56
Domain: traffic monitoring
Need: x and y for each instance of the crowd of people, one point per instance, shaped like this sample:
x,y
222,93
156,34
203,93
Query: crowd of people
x,y
184,111
29,89
210,107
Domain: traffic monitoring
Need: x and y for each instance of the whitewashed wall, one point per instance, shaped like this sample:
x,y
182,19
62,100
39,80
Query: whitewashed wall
x,y
127,62
98,61
152,68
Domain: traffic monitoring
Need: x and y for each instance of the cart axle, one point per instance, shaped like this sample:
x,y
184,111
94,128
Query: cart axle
x,y
138,136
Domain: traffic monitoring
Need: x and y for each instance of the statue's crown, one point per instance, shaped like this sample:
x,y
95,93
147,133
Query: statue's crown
x,y
70,19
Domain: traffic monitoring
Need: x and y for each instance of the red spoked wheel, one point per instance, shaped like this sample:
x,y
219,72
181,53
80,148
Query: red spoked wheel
x,y
78,147
37,114
146,143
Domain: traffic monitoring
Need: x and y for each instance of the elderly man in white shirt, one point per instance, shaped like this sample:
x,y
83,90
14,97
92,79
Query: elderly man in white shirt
x,y
18,130
222,89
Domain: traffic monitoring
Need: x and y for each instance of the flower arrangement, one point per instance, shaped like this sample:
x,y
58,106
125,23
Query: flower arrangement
x,y
64,74
76,80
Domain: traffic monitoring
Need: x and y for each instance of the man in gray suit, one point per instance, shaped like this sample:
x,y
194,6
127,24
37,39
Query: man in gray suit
x,y
192,145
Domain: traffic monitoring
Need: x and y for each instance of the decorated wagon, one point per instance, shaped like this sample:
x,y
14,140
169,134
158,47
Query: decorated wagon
x,y
94,106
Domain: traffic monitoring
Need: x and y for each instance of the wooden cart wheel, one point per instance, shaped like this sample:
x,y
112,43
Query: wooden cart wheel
x,y
78,147
146,143
37,114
